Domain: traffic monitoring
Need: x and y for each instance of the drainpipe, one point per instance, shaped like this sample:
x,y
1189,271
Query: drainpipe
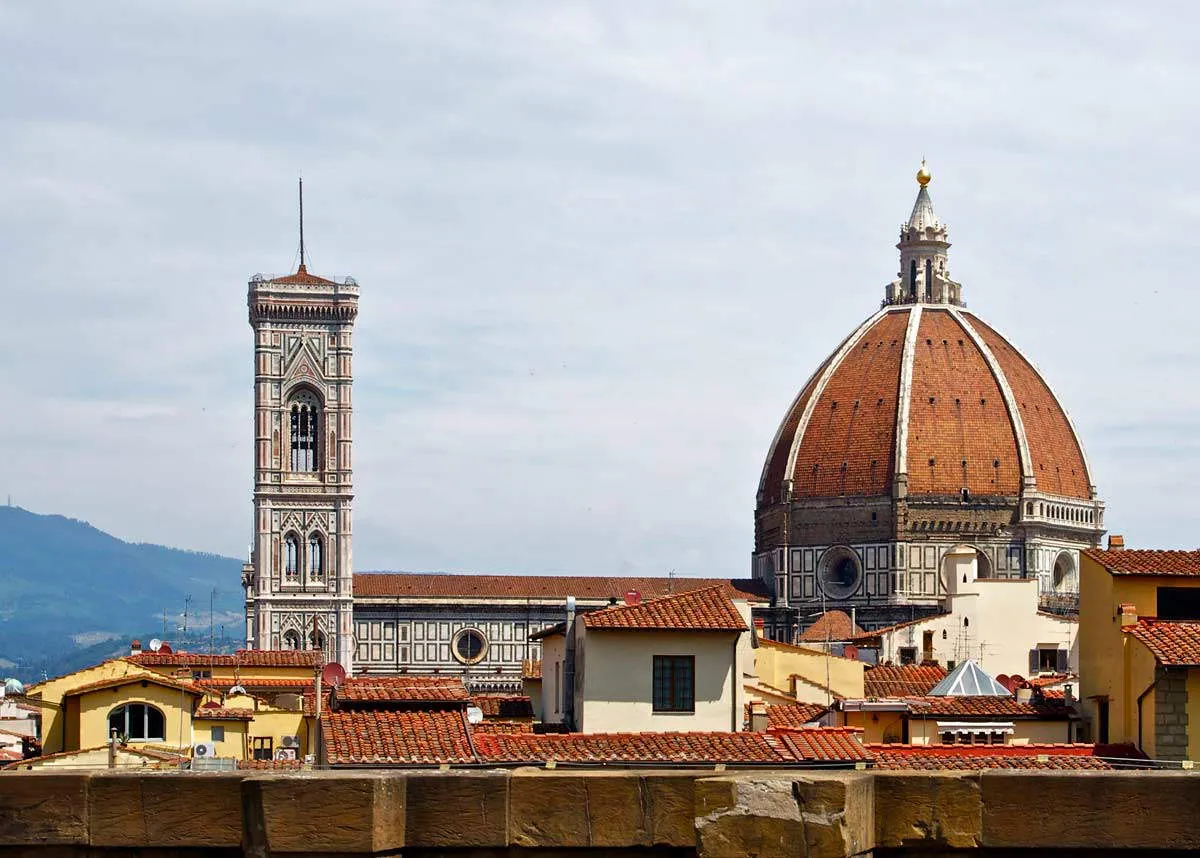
x,y
1142,697
569,667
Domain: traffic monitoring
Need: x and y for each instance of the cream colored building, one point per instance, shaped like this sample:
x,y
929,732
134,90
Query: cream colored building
x,y
665,665
997,622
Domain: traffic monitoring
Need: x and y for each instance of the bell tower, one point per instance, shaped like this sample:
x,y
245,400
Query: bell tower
x,y
299,578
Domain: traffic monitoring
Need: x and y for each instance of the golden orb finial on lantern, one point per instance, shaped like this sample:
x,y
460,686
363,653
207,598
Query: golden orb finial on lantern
x,y
923,174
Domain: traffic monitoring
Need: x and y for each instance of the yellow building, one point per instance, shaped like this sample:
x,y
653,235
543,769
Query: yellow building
x,y
248,706
1139,615
804,674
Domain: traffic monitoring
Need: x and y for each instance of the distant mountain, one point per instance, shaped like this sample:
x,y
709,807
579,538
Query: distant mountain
x,y
69,591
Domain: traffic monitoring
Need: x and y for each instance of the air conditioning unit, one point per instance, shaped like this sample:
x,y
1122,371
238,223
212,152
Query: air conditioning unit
x,y
204,749
285,753
290,741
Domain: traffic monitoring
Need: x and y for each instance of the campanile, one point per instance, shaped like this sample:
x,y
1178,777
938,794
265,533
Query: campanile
x,y
299,579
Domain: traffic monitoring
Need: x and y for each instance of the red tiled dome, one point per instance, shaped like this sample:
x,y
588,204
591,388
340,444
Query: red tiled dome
x,y
935,394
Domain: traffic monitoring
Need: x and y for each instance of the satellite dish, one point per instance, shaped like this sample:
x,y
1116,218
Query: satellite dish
x,y
155,645
333,674
14,687
165,648
851,651
633,597
474,715
236,689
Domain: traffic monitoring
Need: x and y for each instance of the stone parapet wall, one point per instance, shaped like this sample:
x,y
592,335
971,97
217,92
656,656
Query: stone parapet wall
x,y
536,811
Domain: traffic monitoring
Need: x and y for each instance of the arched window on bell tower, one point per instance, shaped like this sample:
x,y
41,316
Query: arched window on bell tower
x,y
305,415
912,279
316,558
291,557
928,279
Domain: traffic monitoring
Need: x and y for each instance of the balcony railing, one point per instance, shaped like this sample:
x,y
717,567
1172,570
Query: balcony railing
x,y
1061,604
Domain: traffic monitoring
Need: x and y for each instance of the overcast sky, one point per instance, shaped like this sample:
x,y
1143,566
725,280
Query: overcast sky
x,y
600,248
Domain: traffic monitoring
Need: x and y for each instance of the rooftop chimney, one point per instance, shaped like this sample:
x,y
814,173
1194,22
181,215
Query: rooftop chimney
x,y
135,647
1127,612
758,716
1116,542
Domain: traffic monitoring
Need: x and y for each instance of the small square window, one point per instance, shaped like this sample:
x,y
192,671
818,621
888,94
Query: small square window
x,y
908,655
218,734
674,683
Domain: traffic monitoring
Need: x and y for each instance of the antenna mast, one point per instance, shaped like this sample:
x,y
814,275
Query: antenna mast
x,y
302,268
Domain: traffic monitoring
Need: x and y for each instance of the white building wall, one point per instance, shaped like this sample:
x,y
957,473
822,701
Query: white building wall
x,y
615,674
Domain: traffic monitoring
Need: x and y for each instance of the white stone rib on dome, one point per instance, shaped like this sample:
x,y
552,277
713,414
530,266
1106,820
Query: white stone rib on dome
x,y
969,680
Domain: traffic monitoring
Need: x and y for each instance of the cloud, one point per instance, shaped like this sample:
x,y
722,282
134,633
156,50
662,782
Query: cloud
x,y
600,247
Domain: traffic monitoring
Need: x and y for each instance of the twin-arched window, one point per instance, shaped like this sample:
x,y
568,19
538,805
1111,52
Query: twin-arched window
x,y
138,722
305,413
291,640
314,561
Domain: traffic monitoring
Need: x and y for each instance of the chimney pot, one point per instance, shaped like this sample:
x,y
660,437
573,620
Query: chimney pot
x,y
1116,542
1128,613
135,647
758,716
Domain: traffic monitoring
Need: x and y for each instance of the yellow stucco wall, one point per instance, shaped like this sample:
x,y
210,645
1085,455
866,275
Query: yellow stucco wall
x,y
48,696
1193,712
775,663
878,727
614,673
176,706
1114,665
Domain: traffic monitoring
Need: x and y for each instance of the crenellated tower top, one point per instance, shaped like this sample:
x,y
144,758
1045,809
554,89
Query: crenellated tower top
x,y
924,276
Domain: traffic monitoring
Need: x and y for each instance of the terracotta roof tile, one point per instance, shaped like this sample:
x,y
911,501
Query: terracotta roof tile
x,y
274,685
401,738
556,587
975,757
782,716
849,445
302,278
832,626
222,713
788,747
494,726
402,689
909,680
504,706
133,679
240,658
1175,643
988,707
698,610
270,765
1131,561
1057,457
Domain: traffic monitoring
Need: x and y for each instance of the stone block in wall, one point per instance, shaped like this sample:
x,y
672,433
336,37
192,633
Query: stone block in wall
x,y
45,808
458,809
766,815
1089,810
165,810
926,810
323,812
601,809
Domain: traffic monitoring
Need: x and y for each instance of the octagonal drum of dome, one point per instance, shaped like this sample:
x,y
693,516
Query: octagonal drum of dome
x,y
925,437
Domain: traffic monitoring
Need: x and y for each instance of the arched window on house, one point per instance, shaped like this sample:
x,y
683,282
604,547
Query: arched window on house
x,y
291,639
305,412
316,557
138,722
291,557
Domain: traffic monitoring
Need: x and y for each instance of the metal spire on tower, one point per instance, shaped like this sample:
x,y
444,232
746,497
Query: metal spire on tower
x,y
302,268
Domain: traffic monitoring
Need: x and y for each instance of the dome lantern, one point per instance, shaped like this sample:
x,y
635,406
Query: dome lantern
x,y
924,276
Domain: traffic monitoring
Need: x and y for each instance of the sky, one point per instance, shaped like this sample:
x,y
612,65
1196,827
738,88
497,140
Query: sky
x,y
600,246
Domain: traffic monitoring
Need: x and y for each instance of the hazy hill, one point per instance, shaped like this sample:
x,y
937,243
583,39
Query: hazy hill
x,y
69,591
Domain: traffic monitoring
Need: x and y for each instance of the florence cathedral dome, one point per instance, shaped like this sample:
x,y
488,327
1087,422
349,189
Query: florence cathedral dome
x,y
926,430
